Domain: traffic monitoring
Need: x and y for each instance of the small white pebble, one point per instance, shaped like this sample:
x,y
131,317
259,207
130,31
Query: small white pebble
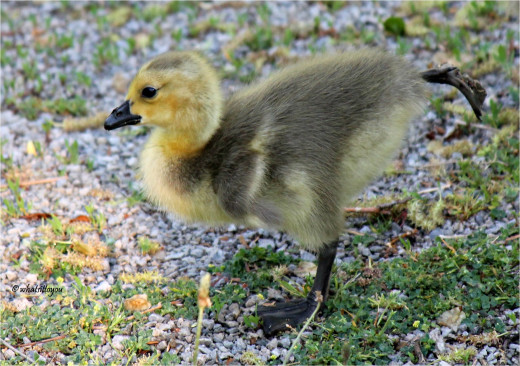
x,y
21,304
31,278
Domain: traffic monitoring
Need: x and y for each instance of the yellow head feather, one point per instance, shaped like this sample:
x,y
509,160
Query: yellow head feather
x,y
188,101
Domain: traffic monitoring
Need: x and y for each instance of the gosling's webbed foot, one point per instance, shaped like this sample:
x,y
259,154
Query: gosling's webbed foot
x,y
293,313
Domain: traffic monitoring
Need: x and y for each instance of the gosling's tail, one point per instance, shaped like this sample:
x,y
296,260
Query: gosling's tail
x,y
472,89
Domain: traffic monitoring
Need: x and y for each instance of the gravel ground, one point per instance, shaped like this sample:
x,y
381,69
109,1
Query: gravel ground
x,y
109,178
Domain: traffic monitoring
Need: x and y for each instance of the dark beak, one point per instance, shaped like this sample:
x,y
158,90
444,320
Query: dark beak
x,y
121,116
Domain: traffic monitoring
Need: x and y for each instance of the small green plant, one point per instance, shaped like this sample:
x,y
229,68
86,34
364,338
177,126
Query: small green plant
x,y
39,85
72,153
367,36
438,106
30,69
395,26
252,321
76,106
151,12
83,291
504,58
177,35
97,218
454,42
83,78
130,42
136,195
62,77
334,5
262,39
147,246
264,12
6,160
117,318
30,107
47,126
403,46
90,165
459,355
64,41
56,225
19,206
106,52
4,58
392,301
288,37
426,215
466,205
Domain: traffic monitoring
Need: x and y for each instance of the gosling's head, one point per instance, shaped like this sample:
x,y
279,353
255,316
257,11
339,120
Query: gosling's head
x,y
177,91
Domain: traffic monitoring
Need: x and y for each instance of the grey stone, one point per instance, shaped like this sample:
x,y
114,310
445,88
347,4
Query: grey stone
x,y
162,345
285,342
363,250
272,344
274,294
117,341
153,317
234,309
103,286
251,301
11,275
266,243
440,345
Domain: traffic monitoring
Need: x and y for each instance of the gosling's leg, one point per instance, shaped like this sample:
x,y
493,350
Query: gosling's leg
x,y
277,317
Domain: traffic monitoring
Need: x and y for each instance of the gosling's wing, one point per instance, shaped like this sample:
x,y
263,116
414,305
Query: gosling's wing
x,y
238,184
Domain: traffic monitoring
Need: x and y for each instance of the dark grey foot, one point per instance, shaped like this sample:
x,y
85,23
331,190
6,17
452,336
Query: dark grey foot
x,y
472,89
296,312
293,313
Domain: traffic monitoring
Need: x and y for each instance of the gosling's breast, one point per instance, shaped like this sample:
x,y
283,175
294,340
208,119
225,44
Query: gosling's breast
x,y
170,185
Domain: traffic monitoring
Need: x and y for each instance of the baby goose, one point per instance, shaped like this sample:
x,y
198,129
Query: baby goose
x,y
286,153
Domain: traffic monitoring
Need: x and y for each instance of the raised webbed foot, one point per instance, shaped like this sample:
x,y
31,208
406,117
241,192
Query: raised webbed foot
x,y
293,313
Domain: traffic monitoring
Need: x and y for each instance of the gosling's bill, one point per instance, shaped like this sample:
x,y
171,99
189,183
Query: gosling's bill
x,y
121,116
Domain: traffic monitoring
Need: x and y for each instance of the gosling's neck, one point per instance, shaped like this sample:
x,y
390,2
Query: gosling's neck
x,y
191,131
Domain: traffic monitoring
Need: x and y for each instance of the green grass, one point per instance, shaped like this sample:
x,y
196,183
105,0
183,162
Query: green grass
x,y
389,298
77,312
479,276
254,266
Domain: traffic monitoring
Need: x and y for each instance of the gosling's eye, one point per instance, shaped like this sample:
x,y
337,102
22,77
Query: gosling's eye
x,y
149,92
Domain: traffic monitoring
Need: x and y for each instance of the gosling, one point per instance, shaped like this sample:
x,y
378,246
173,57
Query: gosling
x,y
287,153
